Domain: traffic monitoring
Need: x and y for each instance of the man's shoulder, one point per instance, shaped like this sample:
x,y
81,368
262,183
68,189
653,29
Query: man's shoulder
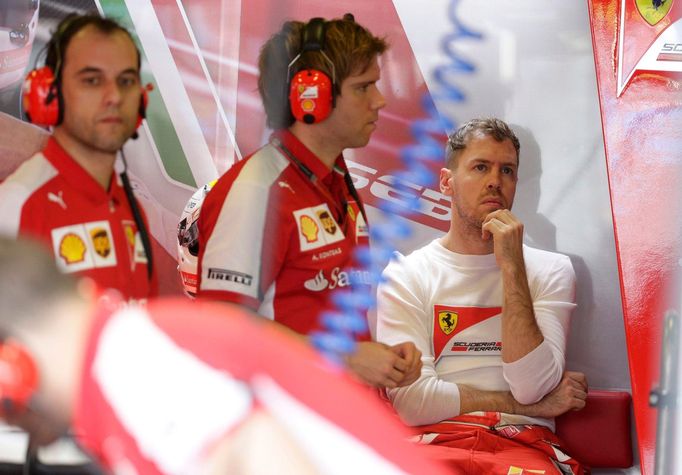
x,y
413,262
31,175
262,168
540,261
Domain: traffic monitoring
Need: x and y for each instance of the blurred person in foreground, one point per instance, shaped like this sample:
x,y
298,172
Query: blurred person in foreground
x,y
149,390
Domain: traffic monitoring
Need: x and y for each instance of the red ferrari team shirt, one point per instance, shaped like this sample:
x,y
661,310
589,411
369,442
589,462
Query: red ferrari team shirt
x,y
90,230
163,384
277,233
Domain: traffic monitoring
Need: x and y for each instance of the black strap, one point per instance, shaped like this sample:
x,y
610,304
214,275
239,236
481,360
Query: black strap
x,y
139,222
277,143
313,35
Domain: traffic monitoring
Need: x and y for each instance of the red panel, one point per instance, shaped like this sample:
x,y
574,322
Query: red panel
x,y
599,434
643,144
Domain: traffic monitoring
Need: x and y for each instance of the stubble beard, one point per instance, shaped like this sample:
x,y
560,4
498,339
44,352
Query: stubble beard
x,y
101,142
472,225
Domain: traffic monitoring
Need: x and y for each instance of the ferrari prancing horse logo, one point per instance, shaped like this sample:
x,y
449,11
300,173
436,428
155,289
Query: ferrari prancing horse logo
x,y
447,321
653,11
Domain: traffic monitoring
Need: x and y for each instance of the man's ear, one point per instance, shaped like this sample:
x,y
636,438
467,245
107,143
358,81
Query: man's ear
x,y
444,181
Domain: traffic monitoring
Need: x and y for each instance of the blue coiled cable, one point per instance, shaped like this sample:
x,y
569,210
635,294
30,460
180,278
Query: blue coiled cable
x,y
349,317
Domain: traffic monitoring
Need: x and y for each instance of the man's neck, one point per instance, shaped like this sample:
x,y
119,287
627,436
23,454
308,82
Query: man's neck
x,y
97,163
464,238
318,143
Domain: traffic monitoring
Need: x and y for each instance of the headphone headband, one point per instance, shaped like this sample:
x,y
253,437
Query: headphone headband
x,y
311,92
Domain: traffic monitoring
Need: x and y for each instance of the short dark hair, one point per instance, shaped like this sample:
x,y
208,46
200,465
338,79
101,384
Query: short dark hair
x,y
488,127
349,46
30,282
69,27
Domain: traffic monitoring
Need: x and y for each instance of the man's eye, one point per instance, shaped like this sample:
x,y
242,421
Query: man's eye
x,y
480,167
508,171
91,81
127,82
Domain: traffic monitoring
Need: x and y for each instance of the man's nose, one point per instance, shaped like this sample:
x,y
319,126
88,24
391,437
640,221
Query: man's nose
x,y
378,101
112,93
494,180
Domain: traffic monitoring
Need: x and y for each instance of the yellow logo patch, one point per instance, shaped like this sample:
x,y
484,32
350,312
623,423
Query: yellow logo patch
x,y
653,11
521,471
101,241
327,221
72,249
447,321
351,212
309,228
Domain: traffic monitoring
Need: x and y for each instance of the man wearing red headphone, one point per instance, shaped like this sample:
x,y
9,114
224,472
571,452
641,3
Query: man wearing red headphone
x,y
278,230
148,390
68,195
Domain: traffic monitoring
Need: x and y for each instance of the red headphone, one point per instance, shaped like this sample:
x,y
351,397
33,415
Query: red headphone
x,y
18,377
311,92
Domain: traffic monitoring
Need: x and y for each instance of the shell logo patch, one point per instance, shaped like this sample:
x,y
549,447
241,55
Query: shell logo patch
x,y
101,241
308,105
72,249
309,228
310,221
447,321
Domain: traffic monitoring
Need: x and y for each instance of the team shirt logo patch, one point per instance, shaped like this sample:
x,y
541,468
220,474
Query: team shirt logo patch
x,y
327,222
310,222
361,229
653,11
309,228
447,321
101,242
84,246
72,249
466,331
523,471
134,244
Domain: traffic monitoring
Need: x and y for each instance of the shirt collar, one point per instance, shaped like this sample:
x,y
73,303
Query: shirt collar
x,y
306,157
75,175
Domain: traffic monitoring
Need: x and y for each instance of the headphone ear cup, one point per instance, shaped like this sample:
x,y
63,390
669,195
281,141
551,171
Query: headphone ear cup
x,y
142,111
18,377
41,99
311,96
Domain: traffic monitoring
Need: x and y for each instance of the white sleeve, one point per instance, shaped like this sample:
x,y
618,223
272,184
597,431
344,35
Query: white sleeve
x,y
539,372
401,317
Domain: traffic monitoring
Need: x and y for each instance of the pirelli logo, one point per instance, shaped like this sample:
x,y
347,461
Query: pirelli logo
x,y
229,276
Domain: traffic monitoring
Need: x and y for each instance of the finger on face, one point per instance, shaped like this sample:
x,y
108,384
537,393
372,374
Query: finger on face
x,y
491,226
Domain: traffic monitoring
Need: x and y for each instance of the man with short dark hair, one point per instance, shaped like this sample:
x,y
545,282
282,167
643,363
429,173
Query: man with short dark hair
x,y
278,231
68,195
490,316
